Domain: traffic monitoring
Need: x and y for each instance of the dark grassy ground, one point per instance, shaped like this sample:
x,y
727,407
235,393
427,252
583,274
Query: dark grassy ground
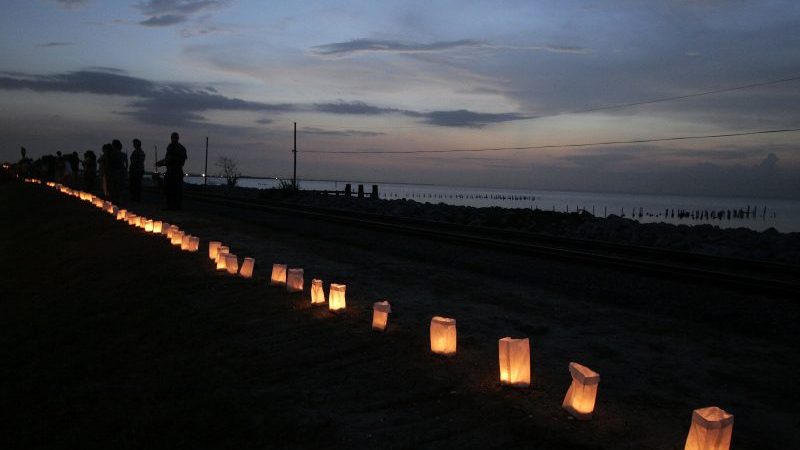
x,y
111,338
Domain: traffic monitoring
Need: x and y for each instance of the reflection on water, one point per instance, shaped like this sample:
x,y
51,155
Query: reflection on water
x,y
754,213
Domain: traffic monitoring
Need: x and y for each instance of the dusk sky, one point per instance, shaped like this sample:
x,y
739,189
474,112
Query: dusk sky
x,y
433,75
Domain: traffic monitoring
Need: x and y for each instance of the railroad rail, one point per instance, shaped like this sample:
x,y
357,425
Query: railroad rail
x,y
746,274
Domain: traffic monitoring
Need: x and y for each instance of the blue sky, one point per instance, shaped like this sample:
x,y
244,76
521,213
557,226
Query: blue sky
x,y
374,76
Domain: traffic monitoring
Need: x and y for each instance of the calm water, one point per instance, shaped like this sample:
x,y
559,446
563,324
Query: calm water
x,y
783,215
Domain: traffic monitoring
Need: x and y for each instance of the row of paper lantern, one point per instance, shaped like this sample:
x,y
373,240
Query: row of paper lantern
x,y
711,427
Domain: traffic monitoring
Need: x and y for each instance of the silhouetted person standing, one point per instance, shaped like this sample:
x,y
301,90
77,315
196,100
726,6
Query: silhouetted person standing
x,y
173,179
104,162
117,165
136,171
89,170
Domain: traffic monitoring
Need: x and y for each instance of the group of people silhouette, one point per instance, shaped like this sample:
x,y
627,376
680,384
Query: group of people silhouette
x,y
120,176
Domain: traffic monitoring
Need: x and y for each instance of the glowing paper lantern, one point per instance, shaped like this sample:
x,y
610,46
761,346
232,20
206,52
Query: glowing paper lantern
x,y
121,214
194,244
336,297
157,224
380,315
582,393
213,246
231,263
185,240
221,252
711,430
443,335
173,229
294,280
131,219
165,228
515,362
278,277
317,292
177,238
148,226
246,271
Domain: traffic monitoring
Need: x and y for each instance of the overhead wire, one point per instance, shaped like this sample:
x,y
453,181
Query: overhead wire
x,y
619,105
548,146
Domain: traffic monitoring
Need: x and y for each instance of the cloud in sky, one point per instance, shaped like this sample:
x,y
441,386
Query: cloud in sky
x,y
54,44
71,4
341,49
183,104
171,12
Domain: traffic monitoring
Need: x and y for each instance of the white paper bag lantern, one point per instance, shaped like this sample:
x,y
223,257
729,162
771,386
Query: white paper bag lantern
x,y
711,429
194,244
443,335
165,228
380,314
185,240
231,263
317,292
246,271
278,277
213,246
515,362
294,280
148,226
336,297
173,229
177,238
121,214
157,226
221,252
130,217
582,393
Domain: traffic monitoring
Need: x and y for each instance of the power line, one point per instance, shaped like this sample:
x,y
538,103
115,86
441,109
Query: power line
x,y
678,97
623,105
539,147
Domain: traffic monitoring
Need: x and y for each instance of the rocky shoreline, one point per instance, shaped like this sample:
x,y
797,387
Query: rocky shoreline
x,y
743,243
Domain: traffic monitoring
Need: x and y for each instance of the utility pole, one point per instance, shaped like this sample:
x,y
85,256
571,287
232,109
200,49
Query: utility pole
x,y
205,171
294,150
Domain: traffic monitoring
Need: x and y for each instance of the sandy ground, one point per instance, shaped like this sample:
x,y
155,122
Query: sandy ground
x,y
112,338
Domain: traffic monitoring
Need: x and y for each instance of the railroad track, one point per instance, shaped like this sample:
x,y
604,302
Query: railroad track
x,y
732,272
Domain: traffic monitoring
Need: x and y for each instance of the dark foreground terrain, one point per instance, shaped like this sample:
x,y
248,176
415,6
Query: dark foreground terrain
x,y
111,338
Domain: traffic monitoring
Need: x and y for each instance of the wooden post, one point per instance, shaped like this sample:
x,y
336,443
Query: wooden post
x,y
294,150
374,194
348,190
360,191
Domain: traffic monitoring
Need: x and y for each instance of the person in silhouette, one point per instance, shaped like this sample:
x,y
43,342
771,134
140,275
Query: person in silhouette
x,y
117,165
136,171
104,163
173,179
89,170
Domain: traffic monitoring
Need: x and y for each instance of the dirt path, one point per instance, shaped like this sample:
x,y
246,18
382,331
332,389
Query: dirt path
x,y
113,338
